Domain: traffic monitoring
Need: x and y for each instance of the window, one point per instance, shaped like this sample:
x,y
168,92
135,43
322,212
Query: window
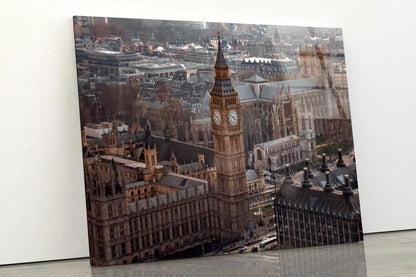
x,y
259,155
112,232
123,248
121,226
99,233
101,250
120,209
110,211
113,251
135,225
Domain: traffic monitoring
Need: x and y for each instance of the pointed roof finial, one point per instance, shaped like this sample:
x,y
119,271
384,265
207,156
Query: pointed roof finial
x,y
148,138
324,166
328,187
306,183
340,162
220,62
310,175
288,179
347,191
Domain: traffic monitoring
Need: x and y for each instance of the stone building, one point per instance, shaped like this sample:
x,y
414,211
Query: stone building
x,y
330,106
201,132
273,111
269,68
255,183
307,215
227,133
274,154
139,210
107,63
316,62
154,197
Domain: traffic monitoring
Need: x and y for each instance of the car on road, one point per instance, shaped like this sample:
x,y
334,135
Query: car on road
x,y
242,249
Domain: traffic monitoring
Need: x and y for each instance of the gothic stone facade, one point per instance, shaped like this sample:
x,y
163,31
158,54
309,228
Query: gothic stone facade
x,y
142,209
311,216
130,220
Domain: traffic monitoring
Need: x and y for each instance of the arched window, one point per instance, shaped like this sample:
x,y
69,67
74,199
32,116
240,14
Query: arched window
x,y
259,155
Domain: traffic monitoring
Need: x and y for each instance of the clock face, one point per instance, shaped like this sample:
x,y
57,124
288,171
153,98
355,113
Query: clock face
x,y
217,117
233,117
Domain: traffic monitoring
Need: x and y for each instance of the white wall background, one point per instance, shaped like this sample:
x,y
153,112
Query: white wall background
x,y
42,209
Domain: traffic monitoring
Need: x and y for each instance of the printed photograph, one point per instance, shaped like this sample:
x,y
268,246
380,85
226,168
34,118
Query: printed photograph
x,y
206,138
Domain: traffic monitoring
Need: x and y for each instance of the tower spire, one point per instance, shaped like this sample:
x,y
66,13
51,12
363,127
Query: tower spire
x,y
222,85
148,138
220,62
227,126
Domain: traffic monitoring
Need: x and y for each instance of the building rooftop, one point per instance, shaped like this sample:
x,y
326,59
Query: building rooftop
x,y
277,141
204,120
295,85
245,93
125,162
136,184
185,153
256,79
315,199
251,175
336,177
179,181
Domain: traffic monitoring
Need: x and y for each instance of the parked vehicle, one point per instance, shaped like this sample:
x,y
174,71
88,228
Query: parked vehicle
x,y
266,242
242,249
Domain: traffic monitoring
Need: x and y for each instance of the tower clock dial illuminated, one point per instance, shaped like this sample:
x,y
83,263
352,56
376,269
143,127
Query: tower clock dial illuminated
x,y
217,117
233,117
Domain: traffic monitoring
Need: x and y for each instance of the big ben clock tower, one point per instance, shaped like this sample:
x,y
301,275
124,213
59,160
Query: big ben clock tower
x,y
227,129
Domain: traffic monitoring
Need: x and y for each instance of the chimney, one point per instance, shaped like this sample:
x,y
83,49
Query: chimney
x,y
347,191
340,162
328,187
324,166
306,183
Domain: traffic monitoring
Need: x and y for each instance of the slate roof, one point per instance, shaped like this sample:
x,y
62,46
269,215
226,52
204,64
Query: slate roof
x,y
220,61
179,181
125,162
223,87
270,90
184,152
245,92
314,199
136,184
256,79
269,93
296,85
336,177
251,175
126,139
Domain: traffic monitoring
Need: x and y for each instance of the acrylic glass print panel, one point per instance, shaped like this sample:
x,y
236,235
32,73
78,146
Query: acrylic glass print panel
x,y
204,139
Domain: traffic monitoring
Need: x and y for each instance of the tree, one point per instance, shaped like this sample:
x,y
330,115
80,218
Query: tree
x,y
117,101
109,30
177,117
